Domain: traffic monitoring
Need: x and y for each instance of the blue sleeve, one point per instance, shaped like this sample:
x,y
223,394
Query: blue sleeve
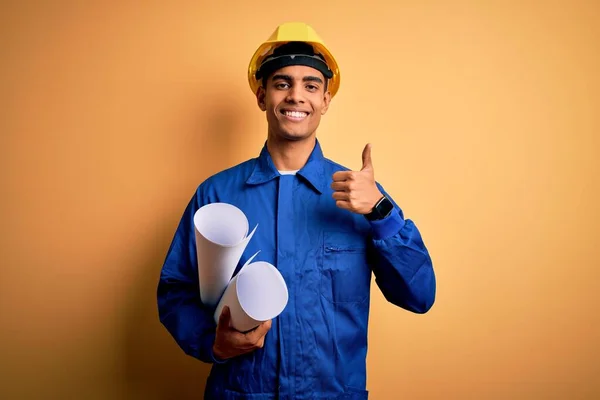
x,y
401,263
180,309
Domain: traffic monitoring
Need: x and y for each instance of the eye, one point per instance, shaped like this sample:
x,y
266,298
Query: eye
x,y
282,85
312,88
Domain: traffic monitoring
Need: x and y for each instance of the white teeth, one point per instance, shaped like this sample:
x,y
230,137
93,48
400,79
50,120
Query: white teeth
x,y
296,114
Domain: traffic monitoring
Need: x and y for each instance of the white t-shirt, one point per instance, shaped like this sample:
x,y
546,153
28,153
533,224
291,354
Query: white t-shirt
x,y
288,172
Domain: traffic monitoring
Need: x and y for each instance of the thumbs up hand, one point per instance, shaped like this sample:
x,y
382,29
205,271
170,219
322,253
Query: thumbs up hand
x,y
357,191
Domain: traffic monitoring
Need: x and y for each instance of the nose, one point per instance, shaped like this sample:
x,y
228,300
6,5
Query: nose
x,y
294,95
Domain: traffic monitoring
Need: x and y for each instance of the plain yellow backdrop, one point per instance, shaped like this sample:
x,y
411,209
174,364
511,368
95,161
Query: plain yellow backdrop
x,y
484,120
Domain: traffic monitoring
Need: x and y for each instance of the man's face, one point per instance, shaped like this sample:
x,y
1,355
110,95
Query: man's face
x,y
294,99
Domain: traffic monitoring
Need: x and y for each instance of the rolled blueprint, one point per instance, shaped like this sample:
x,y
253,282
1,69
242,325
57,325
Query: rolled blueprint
x,y
221,238
256,294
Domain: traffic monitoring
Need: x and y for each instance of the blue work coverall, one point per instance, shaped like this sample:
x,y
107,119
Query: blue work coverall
x,y
316,348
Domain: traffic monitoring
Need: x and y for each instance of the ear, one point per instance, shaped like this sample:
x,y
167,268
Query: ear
x,y
260,98
326,101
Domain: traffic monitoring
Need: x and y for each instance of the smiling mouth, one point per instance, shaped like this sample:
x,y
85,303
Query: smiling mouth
x,y
295,115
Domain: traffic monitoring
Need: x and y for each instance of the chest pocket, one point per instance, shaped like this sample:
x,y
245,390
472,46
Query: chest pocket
x,y
345,273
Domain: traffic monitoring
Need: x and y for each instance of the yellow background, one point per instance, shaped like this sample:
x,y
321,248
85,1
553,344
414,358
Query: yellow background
x,y
484,117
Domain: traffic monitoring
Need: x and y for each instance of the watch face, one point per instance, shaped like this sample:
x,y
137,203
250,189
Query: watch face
x,y
385,208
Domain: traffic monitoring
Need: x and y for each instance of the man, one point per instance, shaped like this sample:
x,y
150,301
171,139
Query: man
x,y
324,227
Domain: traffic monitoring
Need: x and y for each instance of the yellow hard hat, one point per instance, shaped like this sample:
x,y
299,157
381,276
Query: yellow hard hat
x,y
293,32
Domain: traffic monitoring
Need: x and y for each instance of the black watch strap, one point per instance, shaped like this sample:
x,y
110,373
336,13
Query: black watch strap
x,y
382,209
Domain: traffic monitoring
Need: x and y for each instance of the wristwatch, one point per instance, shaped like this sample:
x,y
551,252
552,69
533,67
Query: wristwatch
x,y
382,209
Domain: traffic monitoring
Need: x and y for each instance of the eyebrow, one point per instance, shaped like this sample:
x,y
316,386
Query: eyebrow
x,y
305,79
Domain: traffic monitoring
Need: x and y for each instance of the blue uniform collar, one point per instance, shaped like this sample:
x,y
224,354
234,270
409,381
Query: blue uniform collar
x,y
312,172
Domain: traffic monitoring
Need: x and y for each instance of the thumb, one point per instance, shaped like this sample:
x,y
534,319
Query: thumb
x,y
366,157
224,318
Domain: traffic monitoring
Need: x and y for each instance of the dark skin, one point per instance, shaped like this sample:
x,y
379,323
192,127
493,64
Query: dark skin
x,y
299,90
294,98
230,342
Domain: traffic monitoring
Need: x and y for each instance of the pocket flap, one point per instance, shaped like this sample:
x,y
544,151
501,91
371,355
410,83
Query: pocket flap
x,y
344,241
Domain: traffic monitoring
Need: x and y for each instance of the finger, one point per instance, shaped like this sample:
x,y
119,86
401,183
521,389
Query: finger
x,y
264,328
260,331
224,318
340,186
366,157
343,204
341,176
344,196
